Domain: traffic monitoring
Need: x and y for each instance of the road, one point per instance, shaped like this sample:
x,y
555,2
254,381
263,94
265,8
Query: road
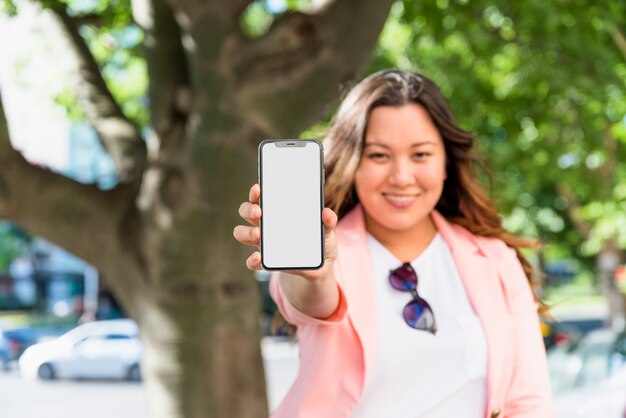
x,y
105,399
69,399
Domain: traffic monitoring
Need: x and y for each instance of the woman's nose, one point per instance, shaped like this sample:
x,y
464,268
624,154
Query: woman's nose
x,y
401,175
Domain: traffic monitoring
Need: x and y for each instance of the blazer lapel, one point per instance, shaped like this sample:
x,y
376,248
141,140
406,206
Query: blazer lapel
x,y
355,265
482,284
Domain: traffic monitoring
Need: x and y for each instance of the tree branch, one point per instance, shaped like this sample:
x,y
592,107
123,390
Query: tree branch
x,y
285,78
573,210
42,202
607,170
119,136
5,150
226,10
88,19
170,92
619,40
171,105
80,218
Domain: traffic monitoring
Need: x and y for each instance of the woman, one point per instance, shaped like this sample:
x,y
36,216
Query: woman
x,y
424,307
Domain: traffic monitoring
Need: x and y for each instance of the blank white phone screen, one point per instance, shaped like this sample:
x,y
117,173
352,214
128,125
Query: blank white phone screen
x,y
291,201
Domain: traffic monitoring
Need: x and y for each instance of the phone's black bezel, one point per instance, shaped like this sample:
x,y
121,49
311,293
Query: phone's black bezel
x,y
260,176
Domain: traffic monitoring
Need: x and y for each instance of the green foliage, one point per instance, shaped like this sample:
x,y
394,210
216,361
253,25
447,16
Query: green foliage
x,y
541,84
115,42
112,14
66,99
118,52
13,243
317,131
116,46
256,20
8,7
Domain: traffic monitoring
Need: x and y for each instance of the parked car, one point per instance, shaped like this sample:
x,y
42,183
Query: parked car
x,y
96,350
6,352
567,330
589,376
13,342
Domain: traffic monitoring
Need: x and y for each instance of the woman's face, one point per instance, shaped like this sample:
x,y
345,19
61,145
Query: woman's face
x,y
400,177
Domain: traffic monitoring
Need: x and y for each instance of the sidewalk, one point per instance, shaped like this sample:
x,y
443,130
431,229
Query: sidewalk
x,y
280,358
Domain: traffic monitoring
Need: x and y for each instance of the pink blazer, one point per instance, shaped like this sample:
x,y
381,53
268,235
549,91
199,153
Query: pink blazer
x,y
336,354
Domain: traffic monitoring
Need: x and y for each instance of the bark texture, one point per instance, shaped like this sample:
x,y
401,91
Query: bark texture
x,y
163,237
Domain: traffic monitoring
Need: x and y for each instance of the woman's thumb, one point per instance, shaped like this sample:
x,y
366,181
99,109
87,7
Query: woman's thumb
x,y
330,219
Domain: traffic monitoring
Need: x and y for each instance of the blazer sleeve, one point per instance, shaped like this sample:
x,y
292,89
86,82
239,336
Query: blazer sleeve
x,y
299,318
529,394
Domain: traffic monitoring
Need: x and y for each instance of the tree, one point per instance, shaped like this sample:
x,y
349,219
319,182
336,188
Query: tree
x,y
163,235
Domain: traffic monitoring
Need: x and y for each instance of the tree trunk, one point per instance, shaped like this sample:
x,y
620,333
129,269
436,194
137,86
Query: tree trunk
x,y
608,259
201,324
163,237
198,309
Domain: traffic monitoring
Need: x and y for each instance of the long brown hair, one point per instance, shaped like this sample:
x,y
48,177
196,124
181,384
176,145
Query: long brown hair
x,y
463,200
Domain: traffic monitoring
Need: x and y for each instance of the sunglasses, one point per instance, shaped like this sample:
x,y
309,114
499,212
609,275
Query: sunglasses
x,y
417,313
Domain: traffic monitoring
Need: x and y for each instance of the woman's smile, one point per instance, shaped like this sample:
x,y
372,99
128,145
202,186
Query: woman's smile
x,y
400,200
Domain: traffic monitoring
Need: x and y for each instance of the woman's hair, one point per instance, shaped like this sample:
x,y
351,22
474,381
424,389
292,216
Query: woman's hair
x,y
463,200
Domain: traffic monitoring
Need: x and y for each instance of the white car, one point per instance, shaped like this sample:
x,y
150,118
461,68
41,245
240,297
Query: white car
x,y
96,350
589,376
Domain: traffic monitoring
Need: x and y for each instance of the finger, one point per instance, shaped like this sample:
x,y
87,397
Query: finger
x,y
250,212
254,261
330,219
255,192
247,235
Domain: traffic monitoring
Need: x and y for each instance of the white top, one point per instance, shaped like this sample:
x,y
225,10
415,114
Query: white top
x,y
417,374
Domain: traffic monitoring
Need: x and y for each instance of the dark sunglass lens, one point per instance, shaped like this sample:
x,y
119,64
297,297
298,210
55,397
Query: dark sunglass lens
x,y
419,315
403,278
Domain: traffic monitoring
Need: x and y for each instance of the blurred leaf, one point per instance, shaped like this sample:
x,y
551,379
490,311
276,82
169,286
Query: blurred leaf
x,y
13,243
540,93
9,8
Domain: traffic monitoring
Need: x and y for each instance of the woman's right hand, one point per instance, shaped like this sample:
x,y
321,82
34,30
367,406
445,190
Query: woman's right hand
x,y
250,235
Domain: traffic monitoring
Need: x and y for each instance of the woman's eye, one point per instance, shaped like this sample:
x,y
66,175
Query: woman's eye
x,y
421,154
376,156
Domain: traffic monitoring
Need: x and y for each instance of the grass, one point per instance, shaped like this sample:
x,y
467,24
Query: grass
x,y
19,319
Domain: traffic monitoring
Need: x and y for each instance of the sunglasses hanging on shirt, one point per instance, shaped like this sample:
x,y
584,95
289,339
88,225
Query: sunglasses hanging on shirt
x,y
417,313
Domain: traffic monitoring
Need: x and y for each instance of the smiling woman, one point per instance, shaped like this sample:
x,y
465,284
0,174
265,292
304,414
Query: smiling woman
x,y
423,307
400,177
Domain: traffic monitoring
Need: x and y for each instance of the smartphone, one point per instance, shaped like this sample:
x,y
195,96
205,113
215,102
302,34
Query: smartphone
x,y
291,176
